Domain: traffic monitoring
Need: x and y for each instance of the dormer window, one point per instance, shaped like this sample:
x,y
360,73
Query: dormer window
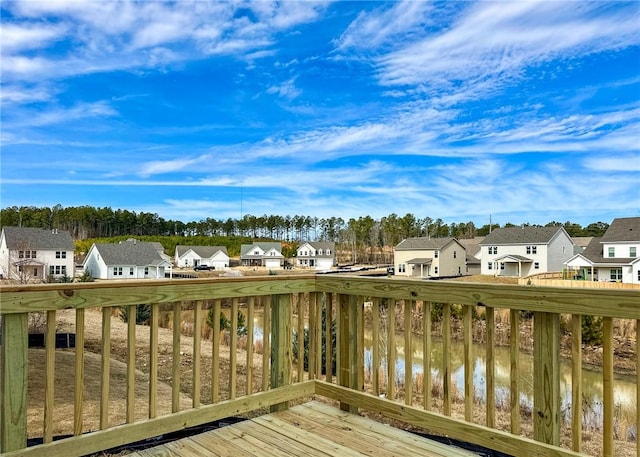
x,y
612,252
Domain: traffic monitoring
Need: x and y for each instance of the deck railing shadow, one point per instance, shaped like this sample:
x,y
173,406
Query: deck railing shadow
x,y
312,345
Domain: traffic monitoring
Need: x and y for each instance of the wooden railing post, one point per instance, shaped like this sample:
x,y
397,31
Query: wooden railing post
x,y
546,378
350,314
280,344
13,380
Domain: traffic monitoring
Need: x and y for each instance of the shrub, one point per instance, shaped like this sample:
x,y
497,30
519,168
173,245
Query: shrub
x,y
592,330
86,276
324,345
143,313
225,323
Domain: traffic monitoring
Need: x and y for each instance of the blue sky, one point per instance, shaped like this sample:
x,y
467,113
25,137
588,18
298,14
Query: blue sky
x,y
525,111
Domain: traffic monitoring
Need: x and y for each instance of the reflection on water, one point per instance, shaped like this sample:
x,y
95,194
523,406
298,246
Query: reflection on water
x,y
624,386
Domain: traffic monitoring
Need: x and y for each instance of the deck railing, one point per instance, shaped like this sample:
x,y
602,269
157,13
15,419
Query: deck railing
x,y
332,361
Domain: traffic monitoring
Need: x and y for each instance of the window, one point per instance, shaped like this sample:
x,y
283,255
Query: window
x,y
328,252
489,265
435,270
532,249
130,271
528,249
493,249
26,254
401,268
117,271
638,275
146,271
61,254
632,251
502,265
319,251
616,274
435,255
536,266
612,252
454,254
57,270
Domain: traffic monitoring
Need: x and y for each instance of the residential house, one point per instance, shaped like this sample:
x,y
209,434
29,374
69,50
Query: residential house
x,y
318,254
472,248
262,254
131,259
30,254
524,251
429,258
192,256
613,257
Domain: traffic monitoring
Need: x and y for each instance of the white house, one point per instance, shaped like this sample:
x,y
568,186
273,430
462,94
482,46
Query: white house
x,y
262,254
613,257
318,254
524,251
32,254
192,256
429,257
129,259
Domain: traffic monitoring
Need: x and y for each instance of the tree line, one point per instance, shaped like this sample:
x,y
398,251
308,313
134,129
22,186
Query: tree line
x,y
365,237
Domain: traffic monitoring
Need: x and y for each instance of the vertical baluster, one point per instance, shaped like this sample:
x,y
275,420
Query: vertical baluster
x,y
131,362
104,367
79,373
250,327
300,299
233,349
197,344
391,349
329,337
426,354
546,378
313,342
576,381
153,361
318,337
266,344
607,386
50,373
215,353
375,345
468,362
514,353
175,358
446,358
490,369
408,352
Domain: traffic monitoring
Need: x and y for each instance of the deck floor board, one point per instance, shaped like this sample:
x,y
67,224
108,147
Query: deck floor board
x,y
313,429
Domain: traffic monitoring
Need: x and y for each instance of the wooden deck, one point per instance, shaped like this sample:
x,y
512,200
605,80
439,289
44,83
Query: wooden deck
x,y
310,429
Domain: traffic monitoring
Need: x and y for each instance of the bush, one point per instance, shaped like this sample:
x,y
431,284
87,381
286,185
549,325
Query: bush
x,y
86,276
324,345
143,313
225,323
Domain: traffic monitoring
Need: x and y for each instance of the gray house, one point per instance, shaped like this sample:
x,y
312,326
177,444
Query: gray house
x,y
524,251
262,254
129,259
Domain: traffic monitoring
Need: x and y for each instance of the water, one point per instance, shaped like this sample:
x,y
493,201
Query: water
x,y
592,385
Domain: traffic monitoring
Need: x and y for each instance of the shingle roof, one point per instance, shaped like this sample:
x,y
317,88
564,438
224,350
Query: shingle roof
x,y
33,238
203,251
519,235
137,253
623,229
265,246
423,243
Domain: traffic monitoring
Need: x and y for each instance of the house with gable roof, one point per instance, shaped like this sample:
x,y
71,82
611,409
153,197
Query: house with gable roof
x,y
316,254
613,257
131,259
429,258
524,251
32,254
215,257
262,254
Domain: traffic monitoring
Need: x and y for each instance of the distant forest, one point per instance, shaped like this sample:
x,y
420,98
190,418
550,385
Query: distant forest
x,y
364,234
